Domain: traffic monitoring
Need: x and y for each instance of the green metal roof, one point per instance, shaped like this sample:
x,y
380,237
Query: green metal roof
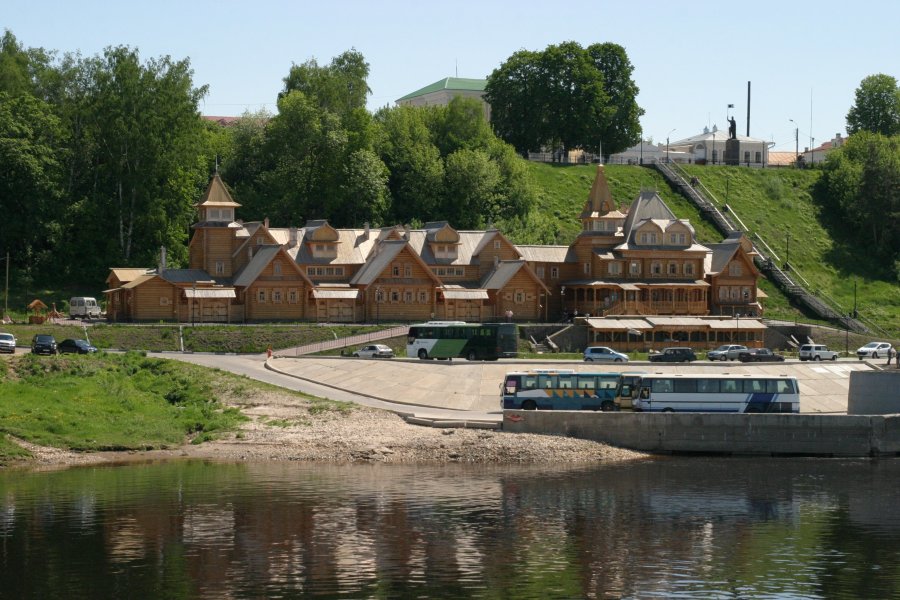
x,y
449,83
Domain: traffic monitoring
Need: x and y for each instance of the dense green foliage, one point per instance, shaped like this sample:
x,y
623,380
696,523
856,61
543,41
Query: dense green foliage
x,y
877,106
112,402
860,194
102,159
566,96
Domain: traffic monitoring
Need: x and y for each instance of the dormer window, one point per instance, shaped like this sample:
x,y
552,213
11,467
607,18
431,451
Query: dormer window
x,y
445,251
276,267
734,269
320,250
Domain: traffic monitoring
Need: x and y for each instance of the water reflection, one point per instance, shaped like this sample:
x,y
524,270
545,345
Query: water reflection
x,y
718,528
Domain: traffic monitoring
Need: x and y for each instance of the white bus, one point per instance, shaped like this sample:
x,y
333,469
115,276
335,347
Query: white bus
x,y
458,339
718,393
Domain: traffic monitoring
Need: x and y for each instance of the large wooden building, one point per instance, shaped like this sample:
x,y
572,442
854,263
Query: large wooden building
x,y
628,261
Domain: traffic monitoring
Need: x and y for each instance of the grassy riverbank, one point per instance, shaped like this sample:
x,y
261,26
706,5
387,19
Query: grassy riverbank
x,y
117,402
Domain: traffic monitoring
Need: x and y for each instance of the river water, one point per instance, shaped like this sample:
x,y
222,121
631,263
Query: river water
x,y
662,528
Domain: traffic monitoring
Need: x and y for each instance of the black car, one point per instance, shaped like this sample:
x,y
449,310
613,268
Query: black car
x,y
674,355
43,344
75,347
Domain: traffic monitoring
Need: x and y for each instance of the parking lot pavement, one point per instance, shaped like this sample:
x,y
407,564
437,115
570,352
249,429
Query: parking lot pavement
x,y
475,386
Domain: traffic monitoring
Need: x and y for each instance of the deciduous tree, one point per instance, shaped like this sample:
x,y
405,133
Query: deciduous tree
x,y
877,106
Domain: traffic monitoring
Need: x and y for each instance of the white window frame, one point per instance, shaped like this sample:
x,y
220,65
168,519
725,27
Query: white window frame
x,y
261,296
276,296
276,267
220,267
554,272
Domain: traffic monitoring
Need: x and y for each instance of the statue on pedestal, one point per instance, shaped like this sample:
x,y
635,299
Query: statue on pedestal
x,y
732,129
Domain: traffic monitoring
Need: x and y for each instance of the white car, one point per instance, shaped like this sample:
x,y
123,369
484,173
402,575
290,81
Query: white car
x,y
816,352
874,350
603,354
374,351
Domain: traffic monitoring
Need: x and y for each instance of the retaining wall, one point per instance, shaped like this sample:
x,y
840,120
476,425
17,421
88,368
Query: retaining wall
x,y
874,393
755,434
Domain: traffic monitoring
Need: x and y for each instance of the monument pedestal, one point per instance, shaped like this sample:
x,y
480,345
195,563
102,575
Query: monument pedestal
x,y
732,152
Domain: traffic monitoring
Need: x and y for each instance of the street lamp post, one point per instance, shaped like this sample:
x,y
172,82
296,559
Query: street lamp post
x,y
378,304
787,253
796,144
562,294
667,145
6,289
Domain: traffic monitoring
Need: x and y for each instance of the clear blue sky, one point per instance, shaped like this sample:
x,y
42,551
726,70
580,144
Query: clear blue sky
x,y
805,59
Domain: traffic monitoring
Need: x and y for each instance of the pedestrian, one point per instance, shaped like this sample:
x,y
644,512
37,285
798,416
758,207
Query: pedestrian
x,y
890,354
509,316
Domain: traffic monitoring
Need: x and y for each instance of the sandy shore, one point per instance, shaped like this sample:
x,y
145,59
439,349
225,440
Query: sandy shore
x,y
282,427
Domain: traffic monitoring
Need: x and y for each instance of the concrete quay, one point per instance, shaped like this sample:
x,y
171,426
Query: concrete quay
x,y
724,434
419,389
461,385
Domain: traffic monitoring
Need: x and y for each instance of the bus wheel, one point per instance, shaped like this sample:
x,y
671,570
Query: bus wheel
x,y
608,406
529,405
471,355
423,354
667,410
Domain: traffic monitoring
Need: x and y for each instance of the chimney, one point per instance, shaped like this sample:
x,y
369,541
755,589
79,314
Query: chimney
x,y
406,232
266,223
293,238
366,230
162,260
249,252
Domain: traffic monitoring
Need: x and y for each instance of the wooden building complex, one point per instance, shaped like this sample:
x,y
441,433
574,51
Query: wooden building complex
x,y
638,264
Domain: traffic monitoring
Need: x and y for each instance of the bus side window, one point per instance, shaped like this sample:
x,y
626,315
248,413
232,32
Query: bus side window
x,y
730,386
530,383
608,383
565,382
645,393
779,386
586,382
754,386
625,391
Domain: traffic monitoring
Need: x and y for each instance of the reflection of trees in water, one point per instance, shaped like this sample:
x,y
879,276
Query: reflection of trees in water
x,y
802,526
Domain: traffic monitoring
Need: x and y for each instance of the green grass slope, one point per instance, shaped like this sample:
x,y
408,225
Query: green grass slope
x,y
770,202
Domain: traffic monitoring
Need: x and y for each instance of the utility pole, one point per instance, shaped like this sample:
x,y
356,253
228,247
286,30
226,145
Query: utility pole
x,y
6,292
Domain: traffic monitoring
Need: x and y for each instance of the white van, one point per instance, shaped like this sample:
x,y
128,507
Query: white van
x,y
84,307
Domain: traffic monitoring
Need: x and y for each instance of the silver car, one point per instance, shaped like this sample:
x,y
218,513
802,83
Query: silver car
x,y
603,354
726,352
7,343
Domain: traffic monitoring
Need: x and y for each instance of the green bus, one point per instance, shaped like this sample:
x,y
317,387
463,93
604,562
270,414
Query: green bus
x,y
458,339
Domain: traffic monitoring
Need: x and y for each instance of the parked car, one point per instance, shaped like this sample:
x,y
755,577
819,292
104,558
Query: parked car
x,y
603,354
726,352
816,352
760,355
374,351
874,350
43,344
7,343
674,355
75,347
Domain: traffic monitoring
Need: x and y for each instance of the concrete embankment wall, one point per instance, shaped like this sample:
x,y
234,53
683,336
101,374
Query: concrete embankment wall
x,y
874,393
754,434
